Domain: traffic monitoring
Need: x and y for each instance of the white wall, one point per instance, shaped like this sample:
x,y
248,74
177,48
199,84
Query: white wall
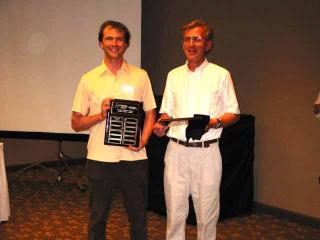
x,y
45,48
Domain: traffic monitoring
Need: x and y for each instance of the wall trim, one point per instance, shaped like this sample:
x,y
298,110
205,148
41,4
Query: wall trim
x,y
286,214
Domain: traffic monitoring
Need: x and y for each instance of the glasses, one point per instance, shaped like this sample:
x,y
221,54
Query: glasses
x,y
112,39
196,39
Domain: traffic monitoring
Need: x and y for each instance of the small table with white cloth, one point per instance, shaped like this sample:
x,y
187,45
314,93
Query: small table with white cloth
x,y
4,194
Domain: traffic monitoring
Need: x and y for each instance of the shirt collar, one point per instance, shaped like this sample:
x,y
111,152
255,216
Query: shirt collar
x,y
105,70
198,69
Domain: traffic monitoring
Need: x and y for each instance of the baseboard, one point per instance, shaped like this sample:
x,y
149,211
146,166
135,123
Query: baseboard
x,y
285,214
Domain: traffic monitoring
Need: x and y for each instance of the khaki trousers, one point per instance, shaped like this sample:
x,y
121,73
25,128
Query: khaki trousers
x,y
195,171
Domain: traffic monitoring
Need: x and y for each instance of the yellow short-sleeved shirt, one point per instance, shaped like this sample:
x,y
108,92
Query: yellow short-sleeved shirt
x,y
130,83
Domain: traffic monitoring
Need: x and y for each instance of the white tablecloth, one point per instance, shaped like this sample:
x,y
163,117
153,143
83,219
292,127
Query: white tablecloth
x,y
4,195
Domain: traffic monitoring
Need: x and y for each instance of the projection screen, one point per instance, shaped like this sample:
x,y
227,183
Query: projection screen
x,y
45,48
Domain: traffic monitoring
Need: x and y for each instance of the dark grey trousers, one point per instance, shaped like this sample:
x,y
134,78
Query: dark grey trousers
x,y
132,179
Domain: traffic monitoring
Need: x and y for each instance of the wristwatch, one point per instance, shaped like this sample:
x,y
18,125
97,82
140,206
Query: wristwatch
x,y
219,123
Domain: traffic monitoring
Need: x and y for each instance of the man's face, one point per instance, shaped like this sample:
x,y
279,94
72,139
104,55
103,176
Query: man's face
x,y
113,43
195,45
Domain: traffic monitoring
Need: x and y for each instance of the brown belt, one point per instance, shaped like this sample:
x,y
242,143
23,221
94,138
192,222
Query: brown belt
x,y
195,144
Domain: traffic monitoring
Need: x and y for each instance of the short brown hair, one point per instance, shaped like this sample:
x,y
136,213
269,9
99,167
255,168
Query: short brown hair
x,y
117,25
199,23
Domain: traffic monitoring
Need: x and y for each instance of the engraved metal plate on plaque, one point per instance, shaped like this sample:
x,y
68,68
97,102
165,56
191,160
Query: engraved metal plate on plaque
x,y
123,123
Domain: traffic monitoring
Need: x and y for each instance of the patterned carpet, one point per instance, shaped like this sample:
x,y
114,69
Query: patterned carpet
x,y
44,208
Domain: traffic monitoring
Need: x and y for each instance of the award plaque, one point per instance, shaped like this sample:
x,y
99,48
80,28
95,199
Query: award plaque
x,y
123,123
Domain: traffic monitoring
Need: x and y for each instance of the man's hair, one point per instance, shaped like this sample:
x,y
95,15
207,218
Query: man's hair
x,y
199,23
117,25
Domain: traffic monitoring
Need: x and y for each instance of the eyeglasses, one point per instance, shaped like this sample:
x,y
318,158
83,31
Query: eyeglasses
x,y
111,39
196,39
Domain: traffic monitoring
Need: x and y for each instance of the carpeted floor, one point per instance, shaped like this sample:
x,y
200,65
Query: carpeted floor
x,y
44,208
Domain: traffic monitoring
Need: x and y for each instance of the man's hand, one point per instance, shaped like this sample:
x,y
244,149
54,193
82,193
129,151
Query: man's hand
x,y
105,106
160,129
149,119
137,149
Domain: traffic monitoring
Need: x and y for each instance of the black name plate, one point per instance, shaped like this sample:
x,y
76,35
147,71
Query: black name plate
x,y
123,123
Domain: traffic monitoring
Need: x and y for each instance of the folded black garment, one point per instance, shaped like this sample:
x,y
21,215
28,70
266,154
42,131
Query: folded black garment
x,y
196,127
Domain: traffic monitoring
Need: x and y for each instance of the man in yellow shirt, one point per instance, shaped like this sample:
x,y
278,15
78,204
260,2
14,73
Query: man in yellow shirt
x,y
110,166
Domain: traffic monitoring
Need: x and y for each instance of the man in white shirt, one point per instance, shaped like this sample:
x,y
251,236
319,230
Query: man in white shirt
x,y
110,166
194,166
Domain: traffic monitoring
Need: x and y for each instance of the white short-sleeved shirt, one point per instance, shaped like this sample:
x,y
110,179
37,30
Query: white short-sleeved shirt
x,y
130,83
208,90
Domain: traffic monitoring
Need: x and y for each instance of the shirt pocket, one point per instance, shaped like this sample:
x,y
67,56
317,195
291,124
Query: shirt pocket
x,y
215,97
215,103
178,104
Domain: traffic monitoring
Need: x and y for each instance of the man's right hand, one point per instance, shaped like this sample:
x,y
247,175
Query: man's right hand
x,y
105,106
160,129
